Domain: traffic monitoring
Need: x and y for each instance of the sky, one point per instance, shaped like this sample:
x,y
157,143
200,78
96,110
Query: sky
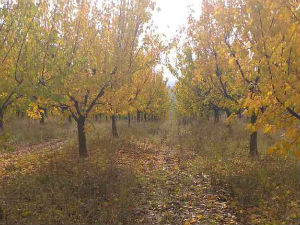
x,y
172,15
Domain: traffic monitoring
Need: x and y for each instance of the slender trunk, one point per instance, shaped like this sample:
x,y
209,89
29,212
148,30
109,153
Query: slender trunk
x,y
145,116
1,122
22,114
138,116
216,114
43,115
253,139
42,119
81,137
239,114
228,113
129,119
114,126
18,114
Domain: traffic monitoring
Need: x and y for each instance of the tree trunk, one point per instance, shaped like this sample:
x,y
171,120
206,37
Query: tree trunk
x,y
145,116
42,119
138,116
1,122
43,114
253,139
239,114
81,137
114,126
129,119
228,113
216,114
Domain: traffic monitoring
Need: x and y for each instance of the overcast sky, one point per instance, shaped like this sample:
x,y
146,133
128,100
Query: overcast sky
x,y
172,15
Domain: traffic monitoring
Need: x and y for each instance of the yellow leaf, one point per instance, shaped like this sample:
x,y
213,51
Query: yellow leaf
x,y
186,223
267,129
192,221
271,150
199,216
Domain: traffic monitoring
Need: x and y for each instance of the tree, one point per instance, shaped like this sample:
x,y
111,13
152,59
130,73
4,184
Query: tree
x,y
82,67
243,58
19,24
137,49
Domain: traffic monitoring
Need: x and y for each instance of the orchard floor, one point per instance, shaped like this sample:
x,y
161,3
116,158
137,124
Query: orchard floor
x,y
153,174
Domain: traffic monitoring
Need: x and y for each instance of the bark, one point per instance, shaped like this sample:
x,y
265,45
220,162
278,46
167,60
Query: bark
x,y
228,113
145,117
253,139
1,122
81,137
138,116
43,115
216,114
239,114
42,119
129,119
114,126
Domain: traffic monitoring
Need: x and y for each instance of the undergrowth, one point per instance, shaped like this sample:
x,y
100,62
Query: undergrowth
x,y
53,186
261,191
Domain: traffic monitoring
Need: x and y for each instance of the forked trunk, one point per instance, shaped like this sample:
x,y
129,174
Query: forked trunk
x,y
114,126
81,137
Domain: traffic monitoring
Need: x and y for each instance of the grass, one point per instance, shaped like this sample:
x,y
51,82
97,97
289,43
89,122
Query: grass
x,y
51,185
262,191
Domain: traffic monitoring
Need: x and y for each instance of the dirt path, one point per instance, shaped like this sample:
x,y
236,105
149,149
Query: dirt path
x,y
172,193
17,161
51,144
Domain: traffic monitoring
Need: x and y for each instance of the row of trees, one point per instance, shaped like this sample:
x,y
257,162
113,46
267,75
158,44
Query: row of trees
x,y
243,57
80,58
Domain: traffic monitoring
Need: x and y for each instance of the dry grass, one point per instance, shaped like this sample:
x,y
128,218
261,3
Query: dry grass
x,y
262,191
51,185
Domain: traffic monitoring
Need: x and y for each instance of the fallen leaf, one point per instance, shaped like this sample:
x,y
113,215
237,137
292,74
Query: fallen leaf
x,y
199,216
